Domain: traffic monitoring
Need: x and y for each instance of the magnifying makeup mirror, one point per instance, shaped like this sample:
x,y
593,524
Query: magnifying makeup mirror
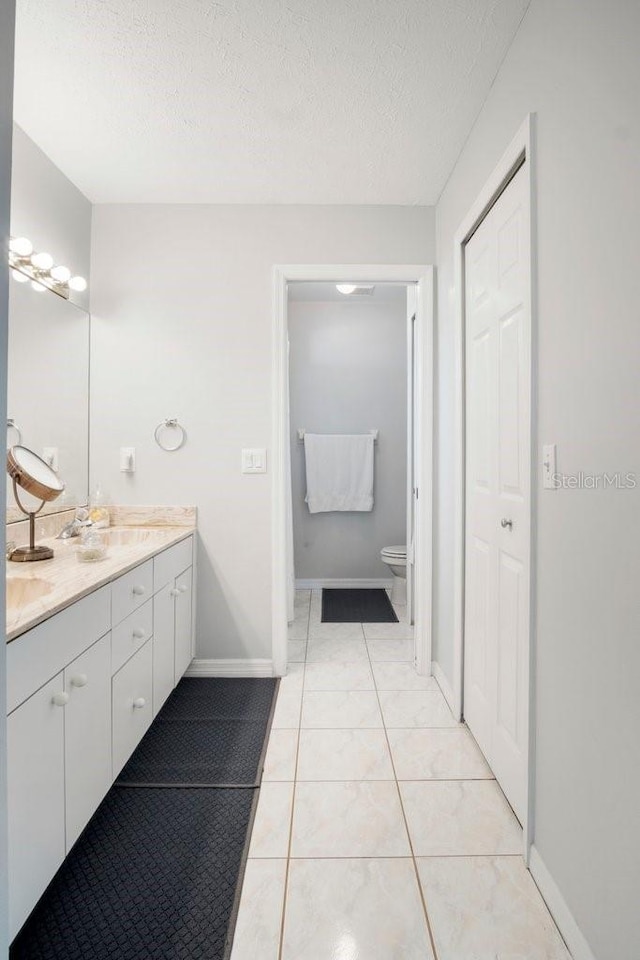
x,y
36,477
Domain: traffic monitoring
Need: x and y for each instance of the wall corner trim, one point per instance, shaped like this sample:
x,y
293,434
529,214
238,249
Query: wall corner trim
x,y
573,936
230,668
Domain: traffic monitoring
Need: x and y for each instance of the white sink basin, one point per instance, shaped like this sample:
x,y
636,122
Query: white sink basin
x,y
22,591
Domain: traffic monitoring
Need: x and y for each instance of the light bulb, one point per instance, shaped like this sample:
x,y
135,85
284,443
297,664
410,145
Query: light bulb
x,y
38,287
19,277
346,288
60,274
42,261
78,284
21,247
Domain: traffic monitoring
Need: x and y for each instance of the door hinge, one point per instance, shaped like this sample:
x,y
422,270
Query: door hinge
x,y
416,493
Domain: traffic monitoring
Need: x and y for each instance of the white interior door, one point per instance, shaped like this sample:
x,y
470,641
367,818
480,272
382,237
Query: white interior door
x,y
498,513
411,378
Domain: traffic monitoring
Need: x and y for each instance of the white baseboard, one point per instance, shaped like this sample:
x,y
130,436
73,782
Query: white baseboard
x,y
573,936
230,668
381,583
443,683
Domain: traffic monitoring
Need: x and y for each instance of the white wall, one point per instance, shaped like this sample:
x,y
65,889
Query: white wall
x,y
50,210
7,22
181,305
576,64
348,373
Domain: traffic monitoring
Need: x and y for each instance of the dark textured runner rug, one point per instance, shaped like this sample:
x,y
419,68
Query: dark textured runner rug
x,y
357,606
156,873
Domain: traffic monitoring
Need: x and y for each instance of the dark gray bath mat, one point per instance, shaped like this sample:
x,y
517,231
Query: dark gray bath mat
x,y
153,877
357,606
209,732
156,873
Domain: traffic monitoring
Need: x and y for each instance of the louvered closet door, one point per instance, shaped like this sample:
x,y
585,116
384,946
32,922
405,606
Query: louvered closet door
x,y
497,528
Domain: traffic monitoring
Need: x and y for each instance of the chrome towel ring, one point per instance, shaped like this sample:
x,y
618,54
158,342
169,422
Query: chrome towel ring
x,y
175,429
12,425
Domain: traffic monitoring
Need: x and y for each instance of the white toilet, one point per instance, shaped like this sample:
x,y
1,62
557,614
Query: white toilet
x,y
396,559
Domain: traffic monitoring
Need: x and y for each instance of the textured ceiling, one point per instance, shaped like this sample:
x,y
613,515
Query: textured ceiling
x,y
257,101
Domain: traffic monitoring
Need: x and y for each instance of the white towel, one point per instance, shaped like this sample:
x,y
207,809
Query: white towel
x,y
339,472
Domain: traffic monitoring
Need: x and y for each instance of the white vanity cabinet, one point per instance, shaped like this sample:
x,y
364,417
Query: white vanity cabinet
x,y
172,619
87,736
82,690
35,774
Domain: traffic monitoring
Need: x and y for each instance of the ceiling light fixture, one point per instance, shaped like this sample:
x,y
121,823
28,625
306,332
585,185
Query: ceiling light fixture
x,y
40,269
355,289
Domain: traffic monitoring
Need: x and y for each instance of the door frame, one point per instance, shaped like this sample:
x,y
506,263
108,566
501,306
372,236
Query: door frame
x,y
521,151
423,277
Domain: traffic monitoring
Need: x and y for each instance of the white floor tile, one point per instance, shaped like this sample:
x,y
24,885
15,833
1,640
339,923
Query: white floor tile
x,y
270,834
388,631
391,650
338,676
280,761
287,712
297,651
353,819
344,755
343,709
299,629
348,651
257,932
302,598
401,676
348,909
446,754
294,680
486,907
415,708
459,818
335,631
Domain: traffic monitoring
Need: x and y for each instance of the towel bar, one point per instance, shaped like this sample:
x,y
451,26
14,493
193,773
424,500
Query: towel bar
x,y
302,432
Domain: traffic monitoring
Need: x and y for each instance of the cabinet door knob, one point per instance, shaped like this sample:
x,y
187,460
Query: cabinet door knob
x,y
183,588
174,593
60,699
139,590
139,703
79,680
139,634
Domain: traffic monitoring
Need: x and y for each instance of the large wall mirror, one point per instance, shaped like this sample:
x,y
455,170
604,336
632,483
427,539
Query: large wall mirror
x,y
48,388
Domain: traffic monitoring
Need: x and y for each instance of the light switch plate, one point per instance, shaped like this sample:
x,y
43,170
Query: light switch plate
x,y
254,460
549,466
127,459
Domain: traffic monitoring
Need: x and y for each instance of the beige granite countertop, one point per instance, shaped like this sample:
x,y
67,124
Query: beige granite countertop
x,y
59,582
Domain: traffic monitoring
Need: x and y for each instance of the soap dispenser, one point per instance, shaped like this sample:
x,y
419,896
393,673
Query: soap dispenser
x,y
98,509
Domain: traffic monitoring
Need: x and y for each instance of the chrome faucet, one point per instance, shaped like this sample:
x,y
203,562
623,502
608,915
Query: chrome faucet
x,y
75,527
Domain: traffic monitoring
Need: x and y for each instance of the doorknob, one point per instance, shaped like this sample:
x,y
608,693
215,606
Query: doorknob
x,y
506,523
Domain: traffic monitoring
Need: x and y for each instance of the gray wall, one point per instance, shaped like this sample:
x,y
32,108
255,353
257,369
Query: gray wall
x,y
348,373
181,326
576,64
7,22
50,210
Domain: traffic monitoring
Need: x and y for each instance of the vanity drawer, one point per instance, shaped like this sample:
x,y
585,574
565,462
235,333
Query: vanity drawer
x,y
131,591
131,705
168,564
131,634
41,653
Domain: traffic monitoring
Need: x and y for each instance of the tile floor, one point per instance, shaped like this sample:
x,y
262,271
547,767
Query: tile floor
x,y
380,832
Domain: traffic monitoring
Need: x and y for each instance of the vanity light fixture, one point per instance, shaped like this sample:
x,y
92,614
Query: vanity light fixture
x,y
41,270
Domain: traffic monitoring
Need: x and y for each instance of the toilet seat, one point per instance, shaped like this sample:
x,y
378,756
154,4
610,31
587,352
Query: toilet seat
x,y
394,552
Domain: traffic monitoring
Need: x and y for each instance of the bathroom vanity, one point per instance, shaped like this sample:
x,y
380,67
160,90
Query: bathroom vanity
x,y
94,650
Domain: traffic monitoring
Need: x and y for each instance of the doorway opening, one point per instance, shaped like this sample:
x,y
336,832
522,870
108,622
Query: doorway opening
x,y
313,339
